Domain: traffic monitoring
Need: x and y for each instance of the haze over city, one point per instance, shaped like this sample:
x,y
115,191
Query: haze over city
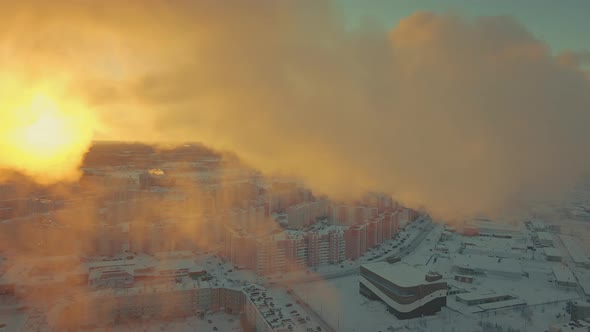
x,y
294,165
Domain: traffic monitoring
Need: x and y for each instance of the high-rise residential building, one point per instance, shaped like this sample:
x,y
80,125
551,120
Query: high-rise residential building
x,y
382,202
356,241
271,257
337,246
351,214
389,225
302,215
240,248
374,232
294,250
256,217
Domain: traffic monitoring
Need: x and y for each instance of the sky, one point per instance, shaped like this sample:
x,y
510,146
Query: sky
x,y
562,24
443,105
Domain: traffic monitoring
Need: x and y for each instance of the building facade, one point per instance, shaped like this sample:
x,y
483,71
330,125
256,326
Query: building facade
x,y
407,292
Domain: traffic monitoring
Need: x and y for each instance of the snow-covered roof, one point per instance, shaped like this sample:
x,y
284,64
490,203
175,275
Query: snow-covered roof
x,y
400,273
474,296
177,264
544,236
553,252
110,263
493,246
486,263
583,277
575,249
106,272
563,274
502,304
151,288
494,225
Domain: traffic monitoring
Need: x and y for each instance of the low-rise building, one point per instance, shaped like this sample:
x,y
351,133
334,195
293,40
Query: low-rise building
x,y
553,254
485,265
576,251
545,239
580,310
485,227
405,290
564,277
112,277
477,298
163,301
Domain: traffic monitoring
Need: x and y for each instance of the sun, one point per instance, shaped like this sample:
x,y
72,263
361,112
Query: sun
x,y
44,136
50,130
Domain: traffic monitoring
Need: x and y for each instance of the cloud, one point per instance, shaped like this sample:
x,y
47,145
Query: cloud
x,y
460,116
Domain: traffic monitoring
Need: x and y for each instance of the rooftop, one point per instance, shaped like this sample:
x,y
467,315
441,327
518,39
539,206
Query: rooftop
x,y
584,280
400,273
545,236
494,225
481,295
563,274
575,249
493,244
487,263
550,251
152,288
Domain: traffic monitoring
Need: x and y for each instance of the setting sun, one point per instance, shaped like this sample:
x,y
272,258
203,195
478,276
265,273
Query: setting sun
x,y
47,137
50,132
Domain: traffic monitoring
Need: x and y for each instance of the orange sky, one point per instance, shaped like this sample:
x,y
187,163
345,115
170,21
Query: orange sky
x,y
458,115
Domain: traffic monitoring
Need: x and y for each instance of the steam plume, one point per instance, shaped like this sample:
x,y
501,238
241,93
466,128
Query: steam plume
x,y
457,115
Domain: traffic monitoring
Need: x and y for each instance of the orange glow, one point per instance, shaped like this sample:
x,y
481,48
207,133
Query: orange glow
x,y
44,136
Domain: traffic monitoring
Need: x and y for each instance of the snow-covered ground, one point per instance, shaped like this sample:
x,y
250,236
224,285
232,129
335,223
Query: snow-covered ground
x,y
339,302
211,322
12,320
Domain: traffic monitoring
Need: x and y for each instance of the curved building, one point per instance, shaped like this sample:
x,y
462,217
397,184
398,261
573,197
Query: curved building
x,y
407,291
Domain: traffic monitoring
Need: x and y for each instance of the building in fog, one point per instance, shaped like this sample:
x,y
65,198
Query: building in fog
x,y
304,214
360,237
163,301
485,227
351,214
382,202
240,248
111,239
111,277
295,250
155,178
356,241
